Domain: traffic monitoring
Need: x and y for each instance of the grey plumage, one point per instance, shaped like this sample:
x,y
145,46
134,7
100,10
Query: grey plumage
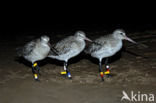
x,y
106,46
27,49
68,48
35,50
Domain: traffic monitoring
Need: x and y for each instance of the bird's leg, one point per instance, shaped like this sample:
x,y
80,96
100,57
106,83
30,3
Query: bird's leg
x,y
68,73
35,71
65,69
100,70
107,72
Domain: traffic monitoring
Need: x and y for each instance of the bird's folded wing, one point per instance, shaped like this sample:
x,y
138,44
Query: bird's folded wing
x,y
53,51
28,48
95,46
63,46
92,48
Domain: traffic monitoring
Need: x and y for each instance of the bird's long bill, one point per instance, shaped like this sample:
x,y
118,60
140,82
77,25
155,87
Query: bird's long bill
x,y
49,44
88,39
129,39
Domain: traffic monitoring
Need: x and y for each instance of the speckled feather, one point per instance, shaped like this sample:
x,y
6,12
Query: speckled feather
x,y
34,50
105,46
69,47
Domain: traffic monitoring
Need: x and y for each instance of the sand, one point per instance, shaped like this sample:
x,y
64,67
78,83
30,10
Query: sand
x,y
129,73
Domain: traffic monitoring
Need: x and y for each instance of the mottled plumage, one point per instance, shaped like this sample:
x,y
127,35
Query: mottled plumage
x,y
106,46
69,47
34,51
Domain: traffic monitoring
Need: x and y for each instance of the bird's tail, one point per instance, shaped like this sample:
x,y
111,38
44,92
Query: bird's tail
x,y
87,50
19,51
53,53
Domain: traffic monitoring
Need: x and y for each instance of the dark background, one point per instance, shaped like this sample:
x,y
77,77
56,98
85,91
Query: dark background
x,y
25,17
20,28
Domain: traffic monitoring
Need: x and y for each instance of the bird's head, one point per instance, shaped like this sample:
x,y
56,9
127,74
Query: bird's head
x,y
120,34
80,35
45,39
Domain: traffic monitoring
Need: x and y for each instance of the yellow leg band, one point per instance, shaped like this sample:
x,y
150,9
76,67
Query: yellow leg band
x,y
35,64
101,73
64,72
35,76
107,72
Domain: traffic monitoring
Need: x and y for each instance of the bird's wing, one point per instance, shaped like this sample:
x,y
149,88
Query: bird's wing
x,y
28,48
92,48
63,46
53,51
19,51
95,46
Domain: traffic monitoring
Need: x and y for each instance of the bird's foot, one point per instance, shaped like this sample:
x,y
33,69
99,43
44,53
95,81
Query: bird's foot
x,y
107,73
36,76
69,75
65,73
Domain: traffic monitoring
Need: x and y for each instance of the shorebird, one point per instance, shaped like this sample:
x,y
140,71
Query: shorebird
x,y
107,46
68,48
34,51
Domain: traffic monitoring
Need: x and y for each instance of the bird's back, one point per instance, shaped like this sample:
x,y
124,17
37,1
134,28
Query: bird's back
x,y
26,49
104,46
67,48
34,50
64,45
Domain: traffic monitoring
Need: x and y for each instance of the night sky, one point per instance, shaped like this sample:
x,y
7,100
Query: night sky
x,y
19,28
29,18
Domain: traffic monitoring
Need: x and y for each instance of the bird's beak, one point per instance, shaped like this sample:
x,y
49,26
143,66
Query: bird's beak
x,y
88,39
49,44
129,39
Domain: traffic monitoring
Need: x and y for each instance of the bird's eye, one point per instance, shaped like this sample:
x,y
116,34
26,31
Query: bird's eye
x,y
122,33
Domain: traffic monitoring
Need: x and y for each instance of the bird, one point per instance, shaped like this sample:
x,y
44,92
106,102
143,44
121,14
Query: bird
x,y
34,51
107,46
68,48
